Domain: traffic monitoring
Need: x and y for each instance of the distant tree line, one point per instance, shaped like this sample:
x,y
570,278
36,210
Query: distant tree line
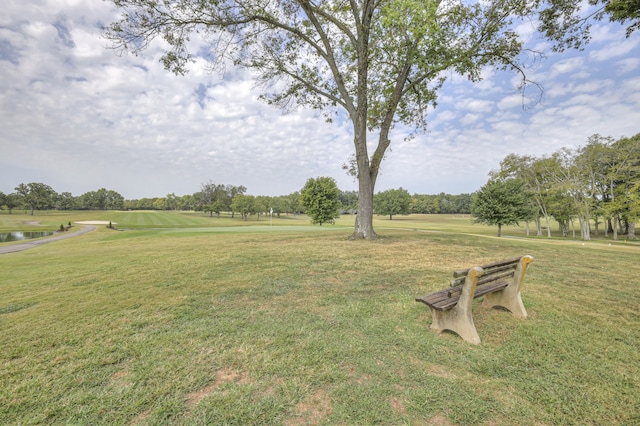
x,y
215,198
441,204
598,183
39,196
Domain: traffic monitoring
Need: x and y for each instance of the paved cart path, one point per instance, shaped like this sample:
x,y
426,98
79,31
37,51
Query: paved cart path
x,y
40,241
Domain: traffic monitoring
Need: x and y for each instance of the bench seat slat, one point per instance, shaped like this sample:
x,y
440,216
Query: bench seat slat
x,y
490,288
447,298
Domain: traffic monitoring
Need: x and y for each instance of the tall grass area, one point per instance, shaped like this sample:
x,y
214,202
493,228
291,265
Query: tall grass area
x,y
284,324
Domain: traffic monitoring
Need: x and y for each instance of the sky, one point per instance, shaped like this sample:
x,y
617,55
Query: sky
x,y
78,116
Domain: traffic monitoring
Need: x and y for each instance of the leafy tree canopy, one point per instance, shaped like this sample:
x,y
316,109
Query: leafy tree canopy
x,y
319,198
244,204
502,202
380,61
392,202
102,199
36,196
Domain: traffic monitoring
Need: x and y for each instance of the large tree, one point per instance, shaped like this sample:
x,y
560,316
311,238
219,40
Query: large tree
x,y
534,172
502,202
623,203
244,204
380,61
66,201
349,200
217,196
320,199
392,202
102,199
36,196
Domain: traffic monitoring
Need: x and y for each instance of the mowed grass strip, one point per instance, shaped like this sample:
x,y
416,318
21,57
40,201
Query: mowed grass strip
x,y
143,219
155,327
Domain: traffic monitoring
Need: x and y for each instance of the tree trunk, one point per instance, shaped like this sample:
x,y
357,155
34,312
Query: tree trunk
x,y
366,175
632,230
546,219
615,229
585,229
364,217
499,230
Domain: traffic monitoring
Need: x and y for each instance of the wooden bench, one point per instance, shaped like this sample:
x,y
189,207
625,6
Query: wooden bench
x,y
500,284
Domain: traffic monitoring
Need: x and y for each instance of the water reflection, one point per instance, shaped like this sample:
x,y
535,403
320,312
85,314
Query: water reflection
x,y
22,235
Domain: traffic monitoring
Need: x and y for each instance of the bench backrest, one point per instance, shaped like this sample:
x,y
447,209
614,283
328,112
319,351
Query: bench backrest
x,y
504,269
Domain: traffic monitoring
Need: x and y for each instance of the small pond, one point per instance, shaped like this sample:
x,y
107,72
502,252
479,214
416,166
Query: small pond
x,y
22,235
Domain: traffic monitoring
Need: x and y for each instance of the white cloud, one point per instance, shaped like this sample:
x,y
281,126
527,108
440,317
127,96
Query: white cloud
x,y
628,65
474,105
567,66
79,117
509,102
612,51
594,86
631,87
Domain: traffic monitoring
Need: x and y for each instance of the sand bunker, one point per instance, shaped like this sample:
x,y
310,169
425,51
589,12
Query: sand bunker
x,y
95,222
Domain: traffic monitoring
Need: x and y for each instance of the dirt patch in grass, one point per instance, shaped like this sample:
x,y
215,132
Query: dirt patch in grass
x,y
120,379
141,418
439,421
312,410
440,371
120,374
226,375
398,406
436,370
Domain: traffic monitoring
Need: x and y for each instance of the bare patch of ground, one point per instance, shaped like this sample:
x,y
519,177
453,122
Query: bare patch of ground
x,y
440,371
312,410
398,406
141,418
439,421
120,379
226,375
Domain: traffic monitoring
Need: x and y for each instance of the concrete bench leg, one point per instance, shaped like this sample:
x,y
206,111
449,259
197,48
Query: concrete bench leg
x,y
459,319
510,298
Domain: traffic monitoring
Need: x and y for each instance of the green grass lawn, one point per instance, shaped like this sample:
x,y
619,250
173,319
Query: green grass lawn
x,y
186,319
